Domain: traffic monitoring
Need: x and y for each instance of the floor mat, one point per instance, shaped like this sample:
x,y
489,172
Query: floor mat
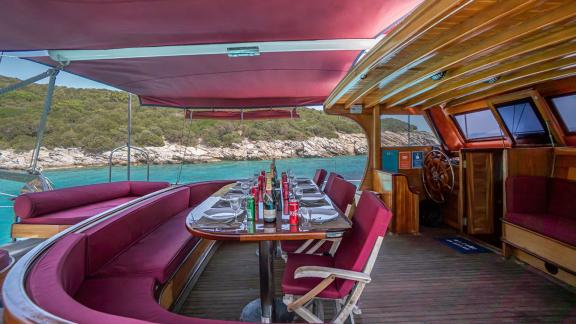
x,y
462,245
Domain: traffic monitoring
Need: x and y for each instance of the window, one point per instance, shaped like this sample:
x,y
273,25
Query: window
x,y
565,107
478,125
406,130
521,119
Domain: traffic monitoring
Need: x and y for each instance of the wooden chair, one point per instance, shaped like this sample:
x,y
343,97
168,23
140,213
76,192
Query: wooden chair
x,y
309,279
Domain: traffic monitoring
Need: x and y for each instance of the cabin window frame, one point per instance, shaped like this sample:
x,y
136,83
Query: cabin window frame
x,y
426,119
525,139
502,136
557,114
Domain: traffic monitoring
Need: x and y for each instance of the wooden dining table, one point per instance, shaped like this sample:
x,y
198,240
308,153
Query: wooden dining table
x,y
266,234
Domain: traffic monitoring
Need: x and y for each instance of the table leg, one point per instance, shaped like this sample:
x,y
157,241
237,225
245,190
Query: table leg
x,y
267,280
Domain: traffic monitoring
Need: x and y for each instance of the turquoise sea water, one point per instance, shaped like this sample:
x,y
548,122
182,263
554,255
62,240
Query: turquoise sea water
x,y
351,167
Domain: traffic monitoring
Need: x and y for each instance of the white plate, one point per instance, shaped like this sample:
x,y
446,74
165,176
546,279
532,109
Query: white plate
x,y
312,197
321,215
219,214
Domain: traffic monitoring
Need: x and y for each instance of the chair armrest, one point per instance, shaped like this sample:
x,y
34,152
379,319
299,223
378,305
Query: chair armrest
x,y
325,272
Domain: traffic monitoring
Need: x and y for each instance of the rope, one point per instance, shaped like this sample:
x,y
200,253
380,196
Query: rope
x,y
185,147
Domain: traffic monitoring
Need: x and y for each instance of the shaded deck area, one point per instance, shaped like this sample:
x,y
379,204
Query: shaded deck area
x,y
416,279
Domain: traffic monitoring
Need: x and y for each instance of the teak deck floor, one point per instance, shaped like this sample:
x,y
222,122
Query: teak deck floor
x,y
416,279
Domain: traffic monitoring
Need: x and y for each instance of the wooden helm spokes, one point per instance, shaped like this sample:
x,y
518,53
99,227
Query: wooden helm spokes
x,y
437,176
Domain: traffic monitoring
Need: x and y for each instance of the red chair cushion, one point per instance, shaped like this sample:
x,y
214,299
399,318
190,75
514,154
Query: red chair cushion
x,y
330,180
319,177
131,297
562,197
170,244
303,285
113,236
526,194
557,227
76,215
341,193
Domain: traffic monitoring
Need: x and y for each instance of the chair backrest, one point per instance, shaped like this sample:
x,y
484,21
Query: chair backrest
x,y
330,181
370,222
319,177
342,193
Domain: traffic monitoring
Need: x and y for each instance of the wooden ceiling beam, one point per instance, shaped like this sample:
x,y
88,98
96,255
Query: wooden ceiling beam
x,y
425,16
424,90
516,85
469,27
494,71
479,87
478,46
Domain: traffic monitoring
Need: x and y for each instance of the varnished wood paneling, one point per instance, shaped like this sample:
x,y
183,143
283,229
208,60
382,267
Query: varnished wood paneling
x,y
480,192
528,162
36,230
395,192
565,163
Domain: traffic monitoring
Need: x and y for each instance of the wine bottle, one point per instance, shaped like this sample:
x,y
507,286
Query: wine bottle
x,y
269,208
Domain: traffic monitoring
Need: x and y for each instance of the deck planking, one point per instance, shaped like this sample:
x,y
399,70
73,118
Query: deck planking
x,y
415,279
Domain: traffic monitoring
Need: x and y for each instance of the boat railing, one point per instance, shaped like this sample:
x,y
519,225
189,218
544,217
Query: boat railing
x,y
141,150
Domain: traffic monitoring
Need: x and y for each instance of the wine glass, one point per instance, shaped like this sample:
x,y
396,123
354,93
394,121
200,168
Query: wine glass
x,y
305,222
290,174
298,193
235,205
245,186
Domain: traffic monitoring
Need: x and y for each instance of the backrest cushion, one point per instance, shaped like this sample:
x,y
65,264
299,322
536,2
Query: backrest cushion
x,y
111,237
342,193
40,203
142,188
526,194
330,181
57,276
562,197
319,177
371,220
200,191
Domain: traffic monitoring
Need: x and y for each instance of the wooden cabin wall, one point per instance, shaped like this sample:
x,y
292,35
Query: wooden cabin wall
x,y
565,163
534,161
404,203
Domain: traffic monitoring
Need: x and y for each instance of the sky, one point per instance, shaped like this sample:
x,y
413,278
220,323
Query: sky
x,y
23,69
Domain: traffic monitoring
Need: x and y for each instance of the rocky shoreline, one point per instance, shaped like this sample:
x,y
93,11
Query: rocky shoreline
x,y
344,144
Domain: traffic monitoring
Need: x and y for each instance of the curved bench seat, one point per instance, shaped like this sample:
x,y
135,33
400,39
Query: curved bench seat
x,y
112,271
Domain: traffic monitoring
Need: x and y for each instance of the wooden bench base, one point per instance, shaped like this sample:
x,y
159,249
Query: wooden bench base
x,y
36,230
536,250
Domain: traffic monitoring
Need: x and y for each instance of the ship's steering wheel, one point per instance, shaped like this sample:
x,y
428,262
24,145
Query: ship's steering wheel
x,y
438,176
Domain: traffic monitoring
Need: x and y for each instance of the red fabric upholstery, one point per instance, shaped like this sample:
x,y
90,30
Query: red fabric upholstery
x,y
41,203
5,259
135,299
58,275
526,194
200,191
543,205
331,177
111,237
319,177
370,221
170,242
342,193
562,198
76,215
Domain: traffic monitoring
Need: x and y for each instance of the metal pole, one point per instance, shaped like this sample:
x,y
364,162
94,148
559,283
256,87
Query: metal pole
x,y
21,84
44,119
128,144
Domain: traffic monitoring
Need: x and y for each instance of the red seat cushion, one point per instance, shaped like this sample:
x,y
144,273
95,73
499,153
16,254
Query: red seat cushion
x,y
341,193
562,197
526,194
303,285
557,227
131,297
319,177
158,254
76,215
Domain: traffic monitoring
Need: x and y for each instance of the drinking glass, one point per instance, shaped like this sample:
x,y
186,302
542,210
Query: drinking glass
x,y
245,186
298,193
290,174
305,221
235,205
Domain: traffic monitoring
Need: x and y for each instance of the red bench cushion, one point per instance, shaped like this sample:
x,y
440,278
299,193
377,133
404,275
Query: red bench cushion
x,y
158,254
200,191
76,215
562,198
526,194
57,275
111,237
557,227
131,297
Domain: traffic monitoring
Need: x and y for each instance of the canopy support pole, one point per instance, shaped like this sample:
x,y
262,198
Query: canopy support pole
x,y
23,83
129,140
47,107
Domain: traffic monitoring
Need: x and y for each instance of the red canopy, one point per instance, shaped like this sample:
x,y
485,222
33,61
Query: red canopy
x,y
243,115
271,79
